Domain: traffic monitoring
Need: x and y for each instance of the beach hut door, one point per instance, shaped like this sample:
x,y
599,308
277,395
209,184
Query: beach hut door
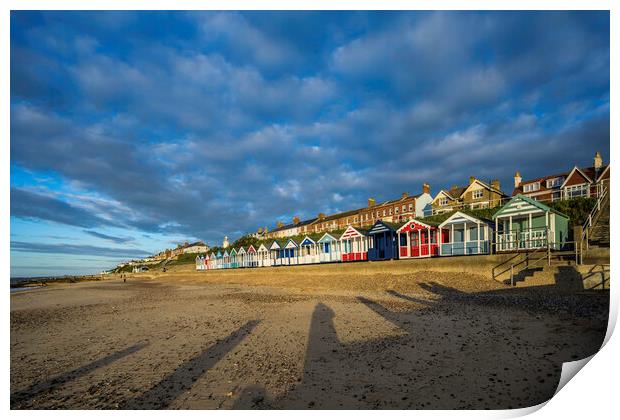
x,y
381,246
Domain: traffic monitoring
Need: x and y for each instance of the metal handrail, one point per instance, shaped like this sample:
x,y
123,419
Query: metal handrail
x,y
597,208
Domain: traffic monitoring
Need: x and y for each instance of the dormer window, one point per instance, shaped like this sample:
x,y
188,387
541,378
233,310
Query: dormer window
x,y
477,194
535,186
555,182
443,201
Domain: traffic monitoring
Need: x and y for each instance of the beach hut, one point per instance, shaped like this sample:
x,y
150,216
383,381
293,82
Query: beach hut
x,y
462,234
225,260
212,261
263,256
354,244
251,257
329,247
219,260
241,258
277,252
290,252
234,263
383,241
200,262
309,250
417,239
524,224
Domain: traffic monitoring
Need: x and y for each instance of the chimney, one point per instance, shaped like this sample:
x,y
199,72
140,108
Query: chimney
x,y
279,224
321,216
598,161
426,189
517,179
404,195
295,220
371,202
495,184
471,179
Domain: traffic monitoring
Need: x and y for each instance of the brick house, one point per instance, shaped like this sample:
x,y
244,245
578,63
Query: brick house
x,y
476,195
579,182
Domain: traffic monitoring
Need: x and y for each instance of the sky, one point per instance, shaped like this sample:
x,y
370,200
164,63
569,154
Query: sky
x,y
134,131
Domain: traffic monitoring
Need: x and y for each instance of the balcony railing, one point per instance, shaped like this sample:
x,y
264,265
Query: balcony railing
x,y
518,240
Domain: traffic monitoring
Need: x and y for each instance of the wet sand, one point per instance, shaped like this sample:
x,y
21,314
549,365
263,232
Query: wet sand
x,y
294,338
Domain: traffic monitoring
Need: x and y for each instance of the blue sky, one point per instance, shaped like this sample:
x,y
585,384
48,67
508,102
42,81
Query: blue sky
x,y
134,131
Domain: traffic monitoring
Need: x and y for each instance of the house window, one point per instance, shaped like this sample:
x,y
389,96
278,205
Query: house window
x,y
411,207
443,201
404,208
477,194
395,210
531,187
555,182
577,191
384,212
390,211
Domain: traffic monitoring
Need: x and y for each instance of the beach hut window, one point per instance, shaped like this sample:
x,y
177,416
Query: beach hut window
x,y
458,235
403,240
473,233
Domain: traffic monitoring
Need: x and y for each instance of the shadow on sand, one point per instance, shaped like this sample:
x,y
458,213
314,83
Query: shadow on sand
x,y
446,356
58,381
183,377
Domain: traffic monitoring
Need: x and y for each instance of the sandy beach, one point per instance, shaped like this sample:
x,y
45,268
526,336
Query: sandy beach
x,y
360,336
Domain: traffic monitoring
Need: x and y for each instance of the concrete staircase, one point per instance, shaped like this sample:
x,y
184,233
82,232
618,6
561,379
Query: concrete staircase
x,y
570,277
599,232
598,241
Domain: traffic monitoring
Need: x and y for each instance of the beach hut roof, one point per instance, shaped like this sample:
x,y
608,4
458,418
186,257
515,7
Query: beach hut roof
x,y
241,250
275,245
262,247
459,217
291,243
520,203
350,232
415,222
381,226
311,239
251,250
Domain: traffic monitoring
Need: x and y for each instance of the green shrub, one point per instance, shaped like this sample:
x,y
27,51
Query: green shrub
x,y
577,209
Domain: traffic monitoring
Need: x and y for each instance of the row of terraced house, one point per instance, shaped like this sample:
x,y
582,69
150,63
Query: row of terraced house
x,y
397,229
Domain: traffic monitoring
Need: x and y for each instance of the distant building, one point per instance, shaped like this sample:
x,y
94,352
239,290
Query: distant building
x,y
579,182
401,209
225,243
196,248
476,195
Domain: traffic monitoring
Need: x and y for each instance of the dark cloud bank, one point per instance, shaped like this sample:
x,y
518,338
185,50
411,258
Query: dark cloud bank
x,y
230,121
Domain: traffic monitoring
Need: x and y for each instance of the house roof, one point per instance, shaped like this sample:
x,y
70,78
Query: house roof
x,y
542,180
589,172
